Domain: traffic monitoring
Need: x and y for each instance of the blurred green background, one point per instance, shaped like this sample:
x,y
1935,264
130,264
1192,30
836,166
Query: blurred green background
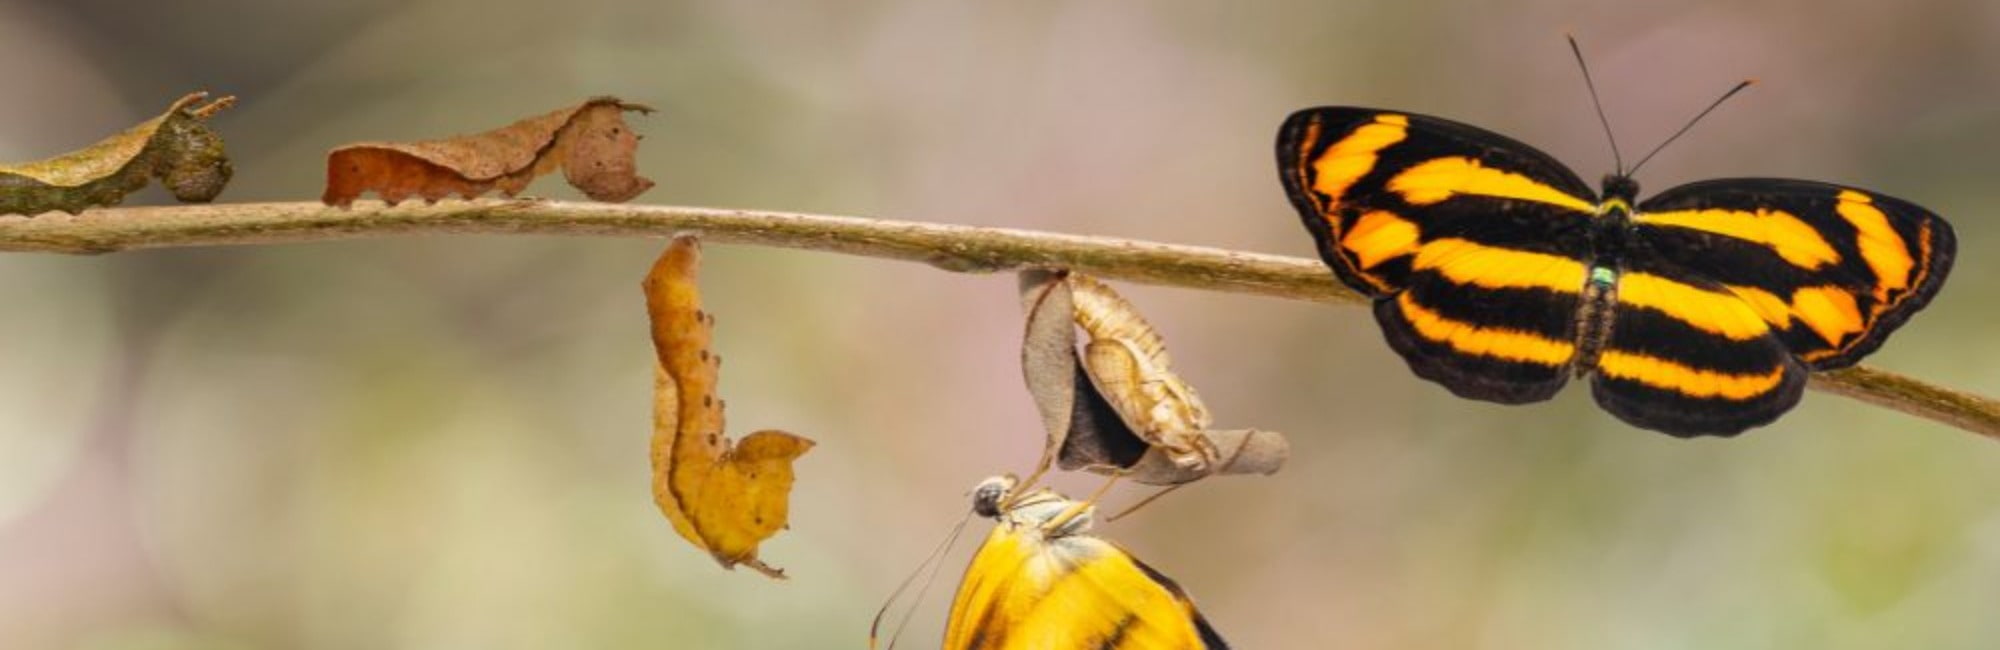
x,y
441,442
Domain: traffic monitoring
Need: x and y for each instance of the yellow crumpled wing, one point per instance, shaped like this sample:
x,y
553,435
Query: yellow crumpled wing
x,y
1026,590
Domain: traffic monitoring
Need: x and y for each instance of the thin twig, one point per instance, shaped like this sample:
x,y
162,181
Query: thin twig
x,y
964,249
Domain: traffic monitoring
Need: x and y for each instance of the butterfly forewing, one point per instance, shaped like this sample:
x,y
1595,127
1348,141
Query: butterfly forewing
x,y
1374,185
1474,246
1833,269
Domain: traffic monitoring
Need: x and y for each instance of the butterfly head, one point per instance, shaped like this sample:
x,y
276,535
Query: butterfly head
x,y
990,496
1620,189
1053,514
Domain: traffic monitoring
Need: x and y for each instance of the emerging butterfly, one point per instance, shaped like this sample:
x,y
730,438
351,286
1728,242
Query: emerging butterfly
x,y
1496,272
1040,582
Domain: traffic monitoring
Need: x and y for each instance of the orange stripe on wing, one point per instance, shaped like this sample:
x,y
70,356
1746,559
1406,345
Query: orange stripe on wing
x,y
1885,251
1720,313
1378,236
1769,306
1797,242
1830,311
1471,339
1442,178
1491,267
1669,375
1346,161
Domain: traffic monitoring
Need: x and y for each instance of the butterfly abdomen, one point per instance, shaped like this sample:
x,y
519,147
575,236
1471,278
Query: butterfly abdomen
x,y
1593,319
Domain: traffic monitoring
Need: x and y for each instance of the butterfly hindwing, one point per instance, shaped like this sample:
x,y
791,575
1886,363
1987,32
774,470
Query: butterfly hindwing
x,y
1687,356
1833,269
1030,586
1487,322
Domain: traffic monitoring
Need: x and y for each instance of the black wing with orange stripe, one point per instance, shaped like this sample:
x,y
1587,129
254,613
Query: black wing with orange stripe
x,y
1373,184
1473,244
1686,356
1832,268
1498,274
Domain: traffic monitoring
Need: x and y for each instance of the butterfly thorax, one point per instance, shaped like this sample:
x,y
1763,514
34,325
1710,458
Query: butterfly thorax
x,y
1611,232
1051,515
1611,235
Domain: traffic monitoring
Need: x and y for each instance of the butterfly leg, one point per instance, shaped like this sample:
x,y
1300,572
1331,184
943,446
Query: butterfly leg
x,y
1027,486
1076,509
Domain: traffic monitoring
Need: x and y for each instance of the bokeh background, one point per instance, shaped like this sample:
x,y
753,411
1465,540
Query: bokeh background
x,y
441,442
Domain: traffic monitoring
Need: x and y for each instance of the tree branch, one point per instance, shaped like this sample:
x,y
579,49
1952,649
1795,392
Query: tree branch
x,y
964,249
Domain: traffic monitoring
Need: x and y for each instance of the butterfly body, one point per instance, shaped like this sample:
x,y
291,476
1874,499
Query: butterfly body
x,y
1040,581
1496,272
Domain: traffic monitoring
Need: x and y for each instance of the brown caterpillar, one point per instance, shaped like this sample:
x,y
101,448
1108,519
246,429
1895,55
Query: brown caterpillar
x,y
177,147
590,142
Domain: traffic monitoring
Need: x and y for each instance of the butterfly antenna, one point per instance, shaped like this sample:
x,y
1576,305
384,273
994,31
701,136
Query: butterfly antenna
x,y
932,562
1690,123
1617,161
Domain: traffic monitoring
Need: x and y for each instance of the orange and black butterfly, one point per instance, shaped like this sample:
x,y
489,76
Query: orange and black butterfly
x,y
1498,273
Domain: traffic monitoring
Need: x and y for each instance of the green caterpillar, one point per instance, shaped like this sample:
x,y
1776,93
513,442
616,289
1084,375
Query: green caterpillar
x,y
177,147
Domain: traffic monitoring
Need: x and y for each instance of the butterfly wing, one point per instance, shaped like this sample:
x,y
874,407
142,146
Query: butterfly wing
x,y
1475,247
1687,356
1833,269
1374,185
1735,288
1024,591
1487,322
